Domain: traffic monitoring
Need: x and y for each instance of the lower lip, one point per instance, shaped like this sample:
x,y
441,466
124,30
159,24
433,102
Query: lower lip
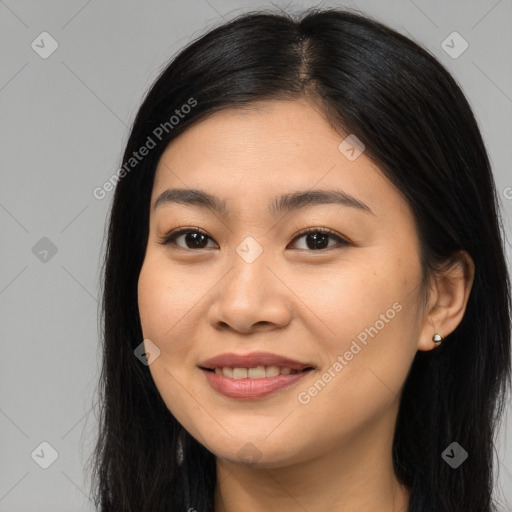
x,y
251,388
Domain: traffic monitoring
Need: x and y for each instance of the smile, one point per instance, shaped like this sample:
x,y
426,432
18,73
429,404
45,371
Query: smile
x,y
243,385
257,372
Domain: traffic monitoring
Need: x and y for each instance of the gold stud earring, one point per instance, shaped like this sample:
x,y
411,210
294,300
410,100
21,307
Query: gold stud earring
x,y
437,339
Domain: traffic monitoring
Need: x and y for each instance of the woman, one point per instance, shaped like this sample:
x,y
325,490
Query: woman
x,y
249,362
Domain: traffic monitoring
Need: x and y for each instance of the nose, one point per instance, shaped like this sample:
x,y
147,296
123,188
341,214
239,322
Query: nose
x,y
251,298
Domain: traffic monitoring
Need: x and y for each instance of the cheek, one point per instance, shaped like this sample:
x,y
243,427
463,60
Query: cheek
x,y
165,301
372,315
351,297
165,298
153,301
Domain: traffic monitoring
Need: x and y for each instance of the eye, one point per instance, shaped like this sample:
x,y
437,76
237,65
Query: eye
x,y
318,238
195,238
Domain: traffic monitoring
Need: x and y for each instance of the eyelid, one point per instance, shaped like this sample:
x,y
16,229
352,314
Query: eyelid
x,y
325,231
170,237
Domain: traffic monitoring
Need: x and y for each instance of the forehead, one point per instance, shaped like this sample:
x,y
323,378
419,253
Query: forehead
x,y
265,148
264,130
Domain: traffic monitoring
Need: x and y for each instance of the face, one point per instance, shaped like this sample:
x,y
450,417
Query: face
x,y
343,299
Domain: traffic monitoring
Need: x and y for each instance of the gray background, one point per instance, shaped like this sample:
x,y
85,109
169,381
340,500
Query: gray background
x,y
64,121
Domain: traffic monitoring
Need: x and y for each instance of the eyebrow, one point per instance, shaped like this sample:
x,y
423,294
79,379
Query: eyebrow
x,y
284,203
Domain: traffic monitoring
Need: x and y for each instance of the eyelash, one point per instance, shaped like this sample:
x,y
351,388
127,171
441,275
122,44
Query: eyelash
x,y
170,238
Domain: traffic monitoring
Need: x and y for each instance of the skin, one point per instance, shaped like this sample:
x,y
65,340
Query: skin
x,y
334,452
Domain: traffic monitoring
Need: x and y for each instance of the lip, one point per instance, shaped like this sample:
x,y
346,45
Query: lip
x,y
233,360
248,389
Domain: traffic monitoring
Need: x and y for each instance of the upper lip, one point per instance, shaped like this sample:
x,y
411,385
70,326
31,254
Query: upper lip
x,y
232,360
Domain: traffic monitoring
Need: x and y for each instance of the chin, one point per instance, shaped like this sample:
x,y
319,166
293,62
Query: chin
x,y
256,454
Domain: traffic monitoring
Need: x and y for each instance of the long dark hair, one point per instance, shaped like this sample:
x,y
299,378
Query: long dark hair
x,y
418,127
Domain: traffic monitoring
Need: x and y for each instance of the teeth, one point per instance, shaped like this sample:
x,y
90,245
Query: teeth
x,y
271,371
239,373
258,372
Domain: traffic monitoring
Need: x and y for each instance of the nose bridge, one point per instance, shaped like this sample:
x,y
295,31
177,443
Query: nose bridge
x,y
249,267
250,250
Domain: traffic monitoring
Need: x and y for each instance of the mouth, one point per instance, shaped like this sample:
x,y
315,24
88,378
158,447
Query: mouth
x,y
259,364
255,372
251,376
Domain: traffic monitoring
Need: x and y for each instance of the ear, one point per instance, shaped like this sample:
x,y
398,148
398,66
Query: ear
x,y
447,300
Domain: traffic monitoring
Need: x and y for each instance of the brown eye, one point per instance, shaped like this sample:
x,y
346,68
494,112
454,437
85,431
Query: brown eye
x,y
318,239
193,238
